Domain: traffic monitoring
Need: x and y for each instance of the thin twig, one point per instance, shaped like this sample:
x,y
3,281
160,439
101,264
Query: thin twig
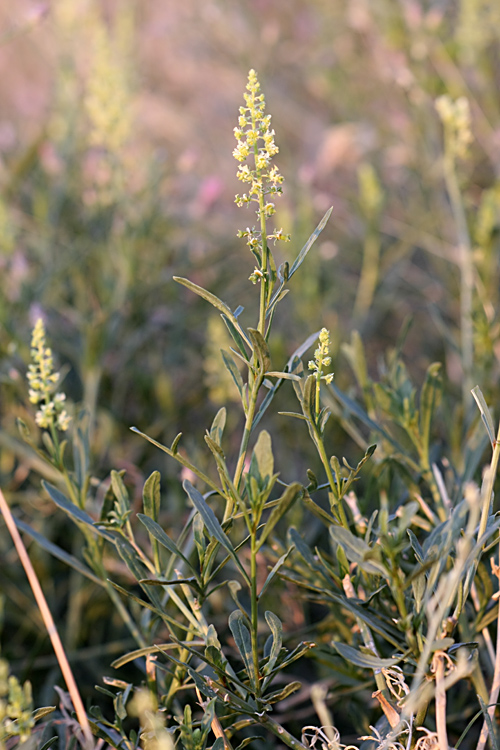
x,y
87,742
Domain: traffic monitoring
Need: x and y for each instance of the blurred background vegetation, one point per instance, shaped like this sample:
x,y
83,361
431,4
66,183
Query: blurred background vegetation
x,y
116,174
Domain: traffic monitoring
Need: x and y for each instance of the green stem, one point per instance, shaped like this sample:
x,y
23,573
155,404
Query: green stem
x,y
247,430
282,733
254,610
180,671
329,474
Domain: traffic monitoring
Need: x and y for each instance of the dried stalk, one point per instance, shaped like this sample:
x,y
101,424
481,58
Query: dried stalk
x,y
87,742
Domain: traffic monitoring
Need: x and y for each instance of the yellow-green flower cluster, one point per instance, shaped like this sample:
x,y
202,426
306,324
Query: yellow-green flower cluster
x,y
456,119
42,380
322,357
107,99
16,706
255,137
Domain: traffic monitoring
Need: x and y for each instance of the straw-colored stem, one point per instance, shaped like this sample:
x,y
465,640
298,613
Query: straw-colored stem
x,y
49,623
440,703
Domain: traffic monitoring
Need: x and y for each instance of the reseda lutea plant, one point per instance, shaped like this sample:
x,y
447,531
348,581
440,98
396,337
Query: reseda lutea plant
x,y
402,576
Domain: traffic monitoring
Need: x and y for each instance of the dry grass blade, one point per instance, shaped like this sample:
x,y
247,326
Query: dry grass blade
x,y
87,742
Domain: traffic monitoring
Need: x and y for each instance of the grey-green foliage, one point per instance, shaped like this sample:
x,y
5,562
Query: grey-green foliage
x,y
392,543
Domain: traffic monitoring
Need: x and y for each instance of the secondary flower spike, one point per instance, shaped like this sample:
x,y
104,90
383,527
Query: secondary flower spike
x,y
42,380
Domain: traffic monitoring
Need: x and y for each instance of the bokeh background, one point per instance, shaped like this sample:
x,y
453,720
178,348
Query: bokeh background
x,y
116,173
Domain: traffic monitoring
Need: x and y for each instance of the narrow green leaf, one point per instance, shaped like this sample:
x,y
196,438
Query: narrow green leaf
x,y
160,647
358,551
151,496
244,743
304,551
175,443
289,496
243,641
238,336
145,604
138,570
491,729
309,397
283,375
108,503
81,449
429,401
214,447
220,459
56,551
297,653
209,297
360,659
174,582
212,524
234,372
156,531
217,428
261,350
276,628
74,511
49,743
293,414
201,684
151,503
234,587
263,453
178,458
41,712
301,256
318,511
120,490
280,695
275,569
485,413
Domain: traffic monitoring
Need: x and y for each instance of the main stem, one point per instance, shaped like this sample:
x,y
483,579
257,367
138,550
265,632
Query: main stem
x,y
254,610
247,430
